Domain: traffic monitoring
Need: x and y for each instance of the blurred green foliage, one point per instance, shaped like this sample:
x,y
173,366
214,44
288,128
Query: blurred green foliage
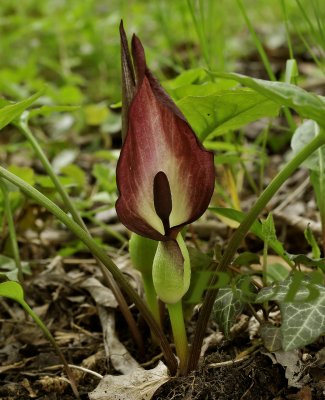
x,y
73,46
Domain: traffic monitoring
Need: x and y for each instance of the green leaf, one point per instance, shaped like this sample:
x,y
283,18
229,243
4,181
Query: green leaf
x,y
302,259
315,162
298,287
105,177
190,76
227,307
302,320
247,259
96,114
229,109
12,290
142,252
292,72
312,242
271,336
46,182
302,323
48,110
70,94
303,135
317,179
276,272
268,230
200,275
8,268
11,111
307,105
256,227
76,174
25,173
73,248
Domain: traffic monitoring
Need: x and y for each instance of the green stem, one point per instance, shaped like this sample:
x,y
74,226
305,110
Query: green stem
x,y
179,333
264,267
151,297
200,33
322,195
286,24
24,128
12,231
98,253
239,235
51,339
110,231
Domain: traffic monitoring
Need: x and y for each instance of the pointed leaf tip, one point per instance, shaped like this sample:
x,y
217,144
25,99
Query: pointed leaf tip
x,y
139,59
128,79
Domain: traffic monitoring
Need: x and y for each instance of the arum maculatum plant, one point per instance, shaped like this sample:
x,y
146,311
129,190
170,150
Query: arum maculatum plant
x,y
165,180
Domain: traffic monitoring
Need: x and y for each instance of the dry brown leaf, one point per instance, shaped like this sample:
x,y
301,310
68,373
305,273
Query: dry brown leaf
x,y
116,352
102,295
139,384
294,367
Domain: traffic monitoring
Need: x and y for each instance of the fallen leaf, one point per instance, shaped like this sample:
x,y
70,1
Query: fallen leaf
x,y
116,352
102,295
294,368
139,384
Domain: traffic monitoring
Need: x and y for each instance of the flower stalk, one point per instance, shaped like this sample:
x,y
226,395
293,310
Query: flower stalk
x,y
176,317
165,180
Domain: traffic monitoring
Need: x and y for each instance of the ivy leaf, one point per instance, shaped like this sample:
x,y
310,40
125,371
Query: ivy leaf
x,y
302,322
227,307
302,306
271,336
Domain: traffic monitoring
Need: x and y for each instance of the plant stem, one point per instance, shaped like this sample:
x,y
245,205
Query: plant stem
x,y
200,33
101,255
179,333
239,235
264,266
286,24
51,339
12,231
322,194
24,128
151,297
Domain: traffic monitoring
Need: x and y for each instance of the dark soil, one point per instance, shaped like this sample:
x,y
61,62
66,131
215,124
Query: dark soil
x,y
253,379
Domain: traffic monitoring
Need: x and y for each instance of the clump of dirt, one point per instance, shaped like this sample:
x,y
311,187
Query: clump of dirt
x,y
253,379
